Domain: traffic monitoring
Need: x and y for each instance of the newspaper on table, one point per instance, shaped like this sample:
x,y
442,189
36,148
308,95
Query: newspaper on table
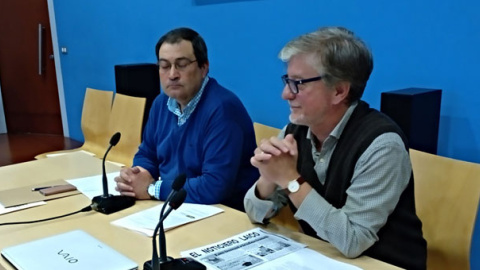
x,y
244,251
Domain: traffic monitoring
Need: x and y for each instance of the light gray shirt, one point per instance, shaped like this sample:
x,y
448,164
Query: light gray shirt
x,y
381,174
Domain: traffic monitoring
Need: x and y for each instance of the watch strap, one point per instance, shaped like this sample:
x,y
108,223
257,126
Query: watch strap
x,y
300,181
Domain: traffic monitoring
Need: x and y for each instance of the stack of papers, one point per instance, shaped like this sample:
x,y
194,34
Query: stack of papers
x,y
145,221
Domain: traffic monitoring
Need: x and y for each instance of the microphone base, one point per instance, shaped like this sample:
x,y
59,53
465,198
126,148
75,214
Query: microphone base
x,y
176,264
111,204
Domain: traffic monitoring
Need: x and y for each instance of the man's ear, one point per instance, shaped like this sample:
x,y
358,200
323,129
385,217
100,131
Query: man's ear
x,y
205,69
342,89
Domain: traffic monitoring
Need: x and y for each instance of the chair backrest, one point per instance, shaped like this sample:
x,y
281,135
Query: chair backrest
x,y
447,193
95,118
127,118
264,132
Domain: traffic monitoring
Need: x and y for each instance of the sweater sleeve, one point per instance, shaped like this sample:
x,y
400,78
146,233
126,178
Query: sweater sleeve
x,y
146,155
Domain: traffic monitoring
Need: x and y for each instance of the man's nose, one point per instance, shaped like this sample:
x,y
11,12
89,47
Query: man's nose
x,y
173,73
287,93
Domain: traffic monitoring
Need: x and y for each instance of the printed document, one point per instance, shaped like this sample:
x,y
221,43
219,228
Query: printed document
x,y
145,221
305,259
260,249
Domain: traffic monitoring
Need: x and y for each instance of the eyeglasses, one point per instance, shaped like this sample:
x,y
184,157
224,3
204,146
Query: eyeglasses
x,y
181,64
293,84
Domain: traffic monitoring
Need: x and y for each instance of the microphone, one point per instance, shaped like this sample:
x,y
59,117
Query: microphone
x,y
177,184
177,197
108,203
113,141
177,200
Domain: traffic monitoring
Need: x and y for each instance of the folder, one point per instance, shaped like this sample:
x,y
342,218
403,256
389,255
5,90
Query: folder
x,y
24,195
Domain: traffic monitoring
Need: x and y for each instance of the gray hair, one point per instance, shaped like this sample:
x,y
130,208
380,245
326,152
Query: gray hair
x,y
338,53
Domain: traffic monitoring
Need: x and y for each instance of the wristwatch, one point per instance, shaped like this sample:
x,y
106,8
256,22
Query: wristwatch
x,y
294,185
151,191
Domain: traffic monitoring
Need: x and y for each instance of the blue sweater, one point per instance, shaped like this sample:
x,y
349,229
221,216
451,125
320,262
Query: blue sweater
x,y
213,148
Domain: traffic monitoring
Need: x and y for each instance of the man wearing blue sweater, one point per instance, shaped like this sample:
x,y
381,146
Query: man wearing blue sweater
x,y
196,127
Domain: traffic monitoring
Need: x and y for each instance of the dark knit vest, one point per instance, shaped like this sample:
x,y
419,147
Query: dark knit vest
x,y
400,240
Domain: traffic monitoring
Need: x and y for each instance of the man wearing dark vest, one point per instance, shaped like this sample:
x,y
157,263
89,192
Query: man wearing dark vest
x,y
342,166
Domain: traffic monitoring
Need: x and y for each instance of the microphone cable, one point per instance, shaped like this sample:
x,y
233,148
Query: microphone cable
x,y
85,209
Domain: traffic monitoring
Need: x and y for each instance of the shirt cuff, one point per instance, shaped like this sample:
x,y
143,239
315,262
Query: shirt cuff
x,y
259,210
158,185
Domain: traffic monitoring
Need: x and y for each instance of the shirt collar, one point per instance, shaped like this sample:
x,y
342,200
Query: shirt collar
x,y
174,107
337,131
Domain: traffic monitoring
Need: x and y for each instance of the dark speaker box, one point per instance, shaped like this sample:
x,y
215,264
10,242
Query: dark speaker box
x,y
138,80
417,112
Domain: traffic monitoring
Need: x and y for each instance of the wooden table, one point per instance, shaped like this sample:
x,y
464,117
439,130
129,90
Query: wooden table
x,y
132,244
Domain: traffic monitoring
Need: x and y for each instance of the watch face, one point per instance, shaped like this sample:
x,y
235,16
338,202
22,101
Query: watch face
x,y
151,190
293,186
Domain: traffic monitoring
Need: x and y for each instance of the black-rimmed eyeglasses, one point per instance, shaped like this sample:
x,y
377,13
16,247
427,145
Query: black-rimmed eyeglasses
x,y
293,84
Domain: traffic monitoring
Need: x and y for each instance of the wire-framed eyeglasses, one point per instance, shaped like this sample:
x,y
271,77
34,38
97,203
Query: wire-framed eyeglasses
x,y
181,64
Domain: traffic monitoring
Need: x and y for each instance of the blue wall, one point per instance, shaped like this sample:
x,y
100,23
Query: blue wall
x,y
430,44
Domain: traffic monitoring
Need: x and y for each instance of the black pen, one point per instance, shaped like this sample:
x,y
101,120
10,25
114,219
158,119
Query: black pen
x,y
40,188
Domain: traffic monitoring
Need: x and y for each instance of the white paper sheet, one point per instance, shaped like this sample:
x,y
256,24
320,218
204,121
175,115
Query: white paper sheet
x,y
92,186
66,153
116,163
4,210
145,221
305,259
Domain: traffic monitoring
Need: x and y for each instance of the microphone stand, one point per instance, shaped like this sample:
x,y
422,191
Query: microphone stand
x,y
104,172
175,199
155,258
163,252
177,184
165,262
107,203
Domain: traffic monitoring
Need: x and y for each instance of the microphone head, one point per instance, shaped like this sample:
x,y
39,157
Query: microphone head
x,y
178,199
115,138
179,182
